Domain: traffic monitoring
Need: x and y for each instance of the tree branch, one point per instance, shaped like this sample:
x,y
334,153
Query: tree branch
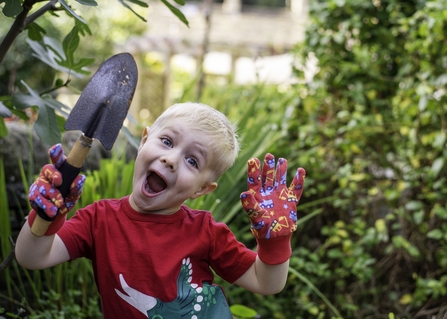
x,y
21,22
49,6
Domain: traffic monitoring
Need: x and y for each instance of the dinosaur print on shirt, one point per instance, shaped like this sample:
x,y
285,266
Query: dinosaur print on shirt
x,y
192,301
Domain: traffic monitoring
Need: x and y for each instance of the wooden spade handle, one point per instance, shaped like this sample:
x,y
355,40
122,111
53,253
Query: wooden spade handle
x,y
69,170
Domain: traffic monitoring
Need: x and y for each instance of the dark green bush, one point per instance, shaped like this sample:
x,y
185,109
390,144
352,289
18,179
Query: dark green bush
x,y
370,129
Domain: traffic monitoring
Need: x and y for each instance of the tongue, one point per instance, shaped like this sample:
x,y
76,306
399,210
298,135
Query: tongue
x,y
156,183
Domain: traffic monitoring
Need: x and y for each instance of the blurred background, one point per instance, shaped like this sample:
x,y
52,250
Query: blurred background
x,y
354,91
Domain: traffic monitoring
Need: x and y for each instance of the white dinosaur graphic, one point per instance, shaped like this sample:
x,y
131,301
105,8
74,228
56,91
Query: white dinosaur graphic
x,y
192,302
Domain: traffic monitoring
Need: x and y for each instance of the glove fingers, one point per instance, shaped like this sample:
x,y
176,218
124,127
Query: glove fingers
x,y
297,185
268,170
251,206
51,175
281,172
76,189
253,179
73,196
48,199
57,156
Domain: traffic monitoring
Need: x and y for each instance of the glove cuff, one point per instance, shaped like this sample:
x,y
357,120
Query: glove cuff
x,y
55,225
274,251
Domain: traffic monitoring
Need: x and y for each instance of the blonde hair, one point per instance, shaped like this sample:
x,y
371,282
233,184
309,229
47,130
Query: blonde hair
x,y
209,121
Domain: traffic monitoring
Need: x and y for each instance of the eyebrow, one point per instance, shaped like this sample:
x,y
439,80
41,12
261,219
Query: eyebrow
x,y
201,148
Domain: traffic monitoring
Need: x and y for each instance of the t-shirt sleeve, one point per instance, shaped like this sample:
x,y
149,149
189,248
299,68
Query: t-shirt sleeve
x,y
229,258
77,235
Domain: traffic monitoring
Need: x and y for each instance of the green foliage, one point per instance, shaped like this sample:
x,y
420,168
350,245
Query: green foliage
x,y
371,130
243,312
61,53
55,307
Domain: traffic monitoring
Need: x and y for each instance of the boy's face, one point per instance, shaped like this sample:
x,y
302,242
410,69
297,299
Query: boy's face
x,y
173,164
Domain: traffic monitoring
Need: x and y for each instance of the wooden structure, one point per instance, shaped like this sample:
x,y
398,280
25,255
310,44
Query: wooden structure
x,y
230,28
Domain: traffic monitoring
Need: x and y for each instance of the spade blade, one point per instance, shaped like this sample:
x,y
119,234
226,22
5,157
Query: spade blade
x,y
103,105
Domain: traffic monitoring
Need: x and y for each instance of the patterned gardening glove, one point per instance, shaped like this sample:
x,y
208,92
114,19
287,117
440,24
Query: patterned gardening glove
x,y
43,193
271,207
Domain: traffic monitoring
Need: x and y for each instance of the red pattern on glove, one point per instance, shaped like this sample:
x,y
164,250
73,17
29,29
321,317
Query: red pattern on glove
x,y
43,193
271,206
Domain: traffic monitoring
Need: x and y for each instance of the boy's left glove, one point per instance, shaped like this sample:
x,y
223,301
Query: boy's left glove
x,y
271,207
43,193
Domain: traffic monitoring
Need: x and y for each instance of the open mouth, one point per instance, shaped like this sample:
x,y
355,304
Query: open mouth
x,y
154,183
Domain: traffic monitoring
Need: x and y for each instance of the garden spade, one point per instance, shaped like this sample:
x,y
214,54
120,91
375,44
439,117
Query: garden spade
x,y
99,113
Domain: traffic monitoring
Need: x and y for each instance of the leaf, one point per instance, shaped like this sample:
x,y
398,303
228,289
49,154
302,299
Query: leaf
x,y
413,205
4,111
55,46
140,3
418,217
44,55
91,3
435,234
71,12
128,7
406,299
423,102
82,28
437,166
3,128
35,31
176,11
46,126
49,101
69,45
23,101
380,225
11,8
243,311
53,55
180,2
133,140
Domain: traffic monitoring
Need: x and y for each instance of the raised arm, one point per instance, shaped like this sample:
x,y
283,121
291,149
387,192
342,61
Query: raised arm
x,y
39,252
271,207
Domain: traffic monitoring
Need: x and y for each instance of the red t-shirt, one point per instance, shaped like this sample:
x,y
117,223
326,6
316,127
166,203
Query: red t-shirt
x,y
156,266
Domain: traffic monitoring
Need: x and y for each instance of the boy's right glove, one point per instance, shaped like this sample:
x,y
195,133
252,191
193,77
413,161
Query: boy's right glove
x,y
44,195
271,207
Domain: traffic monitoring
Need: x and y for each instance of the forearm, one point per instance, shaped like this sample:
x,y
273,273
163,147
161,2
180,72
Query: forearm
x,y
36,253
271,278
264,279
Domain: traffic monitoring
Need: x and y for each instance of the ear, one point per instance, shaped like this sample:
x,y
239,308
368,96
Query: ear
x,y
206,189
144,137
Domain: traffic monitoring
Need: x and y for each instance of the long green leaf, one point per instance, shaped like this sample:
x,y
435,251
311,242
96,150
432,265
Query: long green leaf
x,y
177,12
45,126
90,3
130,8
5,225
70,44
3,128
71,12
316,291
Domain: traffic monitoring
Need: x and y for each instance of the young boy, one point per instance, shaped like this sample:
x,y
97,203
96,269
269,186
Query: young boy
x,y
152,255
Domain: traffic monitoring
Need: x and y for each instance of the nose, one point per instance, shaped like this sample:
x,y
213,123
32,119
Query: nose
x,y
169,160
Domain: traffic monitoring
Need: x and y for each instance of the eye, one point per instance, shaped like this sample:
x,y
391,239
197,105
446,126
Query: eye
x,y
167,141
193,162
